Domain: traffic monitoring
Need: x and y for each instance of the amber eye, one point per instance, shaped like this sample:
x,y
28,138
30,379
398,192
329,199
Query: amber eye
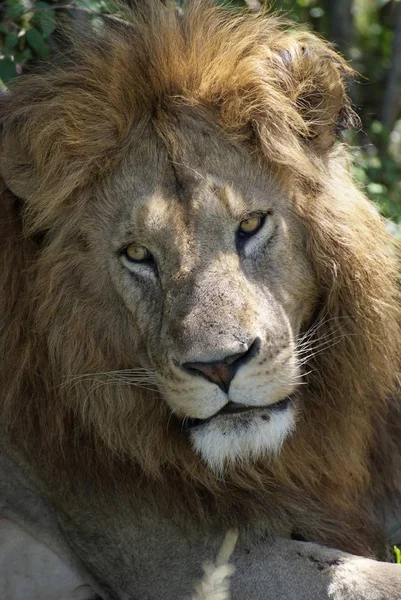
x,y
251,225
135,253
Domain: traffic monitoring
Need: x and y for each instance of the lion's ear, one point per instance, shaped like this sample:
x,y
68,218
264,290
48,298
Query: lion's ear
x,y
26,154
16,173
315,78
54,142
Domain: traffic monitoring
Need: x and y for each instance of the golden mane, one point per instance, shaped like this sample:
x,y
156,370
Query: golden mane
x,y
281,93
266,83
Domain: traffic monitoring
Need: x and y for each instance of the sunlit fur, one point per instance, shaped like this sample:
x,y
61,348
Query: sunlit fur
x,y
280,93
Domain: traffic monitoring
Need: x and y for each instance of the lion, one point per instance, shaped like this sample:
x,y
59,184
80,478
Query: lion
x,y
200,316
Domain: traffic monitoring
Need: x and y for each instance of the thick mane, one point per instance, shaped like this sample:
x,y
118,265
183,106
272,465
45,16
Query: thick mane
x,y
282,94
281,89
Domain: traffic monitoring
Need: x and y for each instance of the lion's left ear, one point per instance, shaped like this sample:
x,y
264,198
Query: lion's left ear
x,y
54,141
315,78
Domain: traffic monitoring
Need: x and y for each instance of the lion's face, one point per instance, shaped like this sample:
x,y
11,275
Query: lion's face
x,y
207,259
180,218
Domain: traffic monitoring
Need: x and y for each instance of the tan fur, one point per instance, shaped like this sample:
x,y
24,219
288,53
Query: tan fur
x,y
280,95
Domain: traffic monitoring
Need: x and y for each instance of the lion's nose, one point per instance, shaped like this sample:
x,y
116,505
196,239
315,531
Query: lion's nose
x,y
222,372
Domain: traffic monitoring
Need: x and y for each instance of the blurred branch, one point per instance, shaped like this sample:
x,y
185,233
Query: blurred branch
x,y
341,23
391,103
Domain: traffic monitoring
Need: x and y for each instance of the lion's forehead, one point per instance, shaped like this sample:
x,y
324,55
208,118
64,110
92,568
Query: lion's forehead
x,y
202,209
183,165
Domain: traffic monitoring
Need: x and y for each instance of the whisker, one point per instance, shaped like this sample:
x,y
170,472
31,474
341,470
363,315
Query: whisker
x,y
319,345
310,339
305,359
321,342
320,323
139,375
139,384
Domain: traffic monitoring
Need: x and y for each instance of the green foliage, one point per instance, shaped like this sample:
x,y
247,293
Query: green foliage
x,y
27,29
397,553
300,11
24,35
379,172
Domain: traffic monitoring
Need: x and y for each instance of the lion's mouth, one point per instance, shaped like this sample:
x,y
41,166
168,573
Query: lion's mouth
x,y
233,408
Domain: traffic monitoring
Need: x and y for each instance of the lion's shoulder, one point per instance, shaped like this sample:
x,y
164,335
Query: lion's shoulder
x,y
35,561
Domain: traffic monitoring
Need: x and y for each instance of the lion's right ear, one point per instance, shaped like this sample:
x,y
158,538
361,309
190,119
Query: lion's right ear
x,y
315,78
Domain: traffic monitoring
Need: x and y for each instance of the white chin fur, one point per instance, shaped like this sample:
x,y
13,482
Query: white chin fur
x,y
229,439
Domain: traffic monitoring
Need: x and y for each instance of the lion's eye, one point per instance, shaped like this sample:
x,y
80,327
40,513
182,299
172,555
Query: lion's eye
x,y
135,253
251,225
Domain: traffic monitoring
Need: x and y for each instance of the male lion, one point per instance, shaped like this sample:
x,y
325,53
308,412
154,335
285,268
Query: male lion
x,y
200,320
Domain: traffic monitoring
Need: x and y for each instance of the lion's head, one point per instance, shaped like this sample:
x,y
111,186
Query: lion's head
x,y
208,266
189,270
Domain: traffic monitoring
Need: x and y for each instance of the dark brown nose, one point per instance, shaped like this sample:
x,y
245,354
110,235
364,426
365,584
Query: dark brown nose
x,y
222,372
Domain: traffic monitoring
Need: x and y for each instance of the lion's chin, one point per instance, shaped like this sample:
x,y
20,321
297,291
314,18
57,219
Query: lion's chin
x,y
229,439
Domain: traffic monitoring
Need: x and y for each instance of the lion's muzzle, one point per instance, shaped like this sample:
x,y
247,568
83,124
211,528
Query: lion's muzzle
x,y
222,372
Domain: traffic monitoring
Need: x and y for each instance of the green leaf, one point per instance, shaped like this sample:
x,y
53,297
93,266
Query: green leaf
x,y
316,12
377,127
47,22
376,188
23,56
7,69
11,41
397,553
15,9
95,5
37,42
44,19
